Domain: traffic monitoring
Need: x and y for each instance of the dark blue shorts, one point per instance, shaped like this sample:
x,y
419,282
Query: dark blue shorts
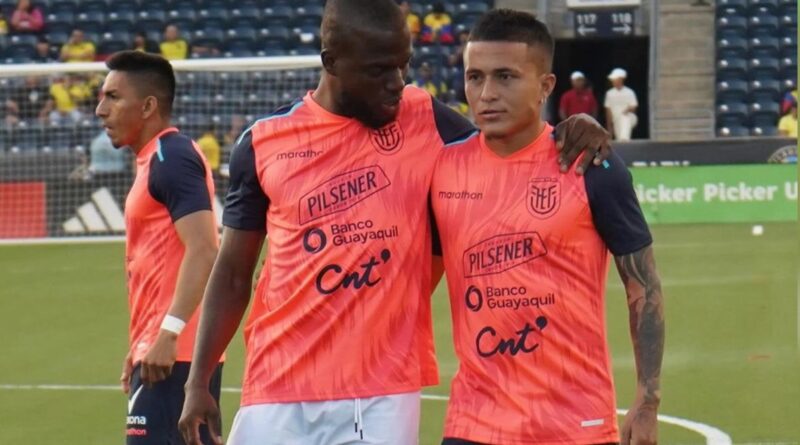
x,y
153,413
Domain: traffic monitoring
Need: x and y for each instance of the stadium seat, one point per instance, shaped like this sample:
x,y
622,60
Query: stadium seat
x,y
732,69
27,137
248,12
272,52
789,20
760,6
273,38
764,68
120,20
211,37
762,26
765,91
731,26
765,130
278,12
152,19
764,114
57,6
125,6
93,21
57,38
733,131
731,47
433,55
787,7
764,47
732,91
58,136
308,16
788,67
183,5
307,35
788,44
94,6
61,20
731,7
239,40
733,111
213,18
303,51
471,7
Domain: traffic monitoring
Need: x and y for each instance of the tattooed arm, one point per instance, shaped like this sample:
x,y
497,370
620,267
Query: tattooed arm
x,y
646,315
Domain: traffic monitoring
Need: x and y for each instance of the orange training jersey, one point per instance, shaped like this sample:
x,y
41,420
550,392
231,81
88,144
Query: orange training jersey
x,y
525,250
172,180
342,308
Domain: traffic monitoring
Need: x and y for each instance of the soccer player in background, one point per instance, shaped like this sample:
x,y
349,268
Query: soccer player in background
x,y
339,338
525,252
170,247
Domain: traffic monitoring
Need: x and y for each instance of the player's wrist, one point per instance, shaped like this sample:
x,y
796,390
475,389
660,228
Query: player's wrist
x,y
172,325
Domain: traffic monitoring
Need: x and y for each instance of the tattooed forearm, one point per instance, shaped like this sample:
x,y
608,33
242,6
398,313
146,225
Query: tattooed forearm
x,y
646,314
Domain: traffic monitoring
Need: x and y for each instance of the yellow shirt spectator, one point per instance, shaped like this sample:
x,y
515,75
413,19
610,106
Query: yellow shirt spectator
x,y
62,97
414,24
175,49
78,52
3,26
787,126
210,147
436,21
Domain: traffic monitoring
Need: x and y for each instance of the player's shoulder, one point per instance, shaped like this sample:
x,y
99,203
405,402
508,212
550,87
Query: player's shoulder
x,y
609,176
263,125
174,145
459,150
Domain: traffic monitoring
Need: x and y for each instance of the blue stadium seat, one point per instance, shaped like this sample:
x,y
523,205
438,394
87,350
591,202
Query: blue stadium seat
x,y
183,5
94,6
303,51
125,6
213,18
762,25
62,20
764,68
272,52
57,6
788,43
732,91
250,14
760,6
57,38
731,47
120,20
211,37
310,15
762,91
733,112
765,113
93,21
734,130
787,7
278,12
732,69
471,7
240,39
764,47
764,129
275,37
153,19
184,20
731,7
788,66
27,137
468,19
60,136
307,35
789,20
433,55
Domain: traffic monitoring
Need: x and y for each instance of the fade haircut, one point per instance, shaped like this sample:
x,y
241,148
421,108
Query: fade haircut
x,y
507,25
152,75
344,19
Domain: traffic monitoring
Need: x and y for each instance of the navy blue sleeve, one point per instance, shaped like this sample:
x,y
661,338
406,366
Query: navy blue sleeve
x,y
452,126
436,241
615,209
178,177
246,203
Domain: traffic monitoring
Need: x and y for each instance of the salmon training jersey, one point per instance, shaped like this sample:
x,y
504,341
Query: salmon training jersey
x,y
526,254
342,308
172,180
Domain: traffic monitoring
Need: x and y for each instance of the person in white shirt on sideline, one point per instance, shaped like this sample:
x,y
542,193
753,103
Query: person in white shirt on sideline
x,y
621,105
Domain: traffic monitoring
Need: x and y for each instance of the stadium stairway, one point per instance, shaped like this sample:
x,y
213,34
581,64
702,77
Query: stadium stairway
x,y
684,72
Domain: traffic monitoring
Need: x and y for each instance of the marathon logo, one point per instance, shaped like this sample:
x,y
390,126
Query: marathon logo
x,y
501,253
461,195
342,192
302,154
136,432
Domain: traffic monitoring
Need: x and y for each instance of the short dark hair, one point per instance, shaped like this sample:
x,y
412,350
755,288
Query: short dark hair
x,y
508,25
343,18
152,74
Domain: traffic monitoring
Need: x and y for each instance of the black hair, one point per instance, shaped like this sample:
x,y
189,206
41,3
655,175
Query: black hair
x,y
342,17
152,74
508,25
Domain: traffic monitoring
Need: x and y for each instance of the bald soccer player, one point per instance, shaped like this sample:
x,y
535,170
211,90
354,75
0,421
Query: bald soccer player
x,y
526,251
339,339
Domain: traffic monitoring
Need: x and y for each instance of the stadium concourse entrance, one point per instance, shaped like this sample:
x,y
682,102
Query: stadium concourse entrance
x,y
596,58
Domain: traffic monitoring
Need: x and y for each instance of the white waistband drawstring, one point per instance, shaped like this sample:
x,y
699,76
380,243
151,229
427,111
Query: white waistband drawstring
x,y
358,418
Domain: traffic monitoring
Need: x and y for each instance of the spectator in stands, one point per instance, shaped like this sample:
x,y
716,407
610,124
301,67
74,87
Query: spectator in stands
x,y
173,47
28,102
3,24
787,126
425,80
143,44
104,158
45,53
209,145
437,26
620,105
789,99
67,93
27,17
77,48
579,99
412,20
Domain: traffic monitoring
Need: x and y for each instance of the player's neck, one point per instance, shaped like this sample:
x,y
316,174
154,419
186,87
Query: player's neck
x,y
507,146
324,97
150,129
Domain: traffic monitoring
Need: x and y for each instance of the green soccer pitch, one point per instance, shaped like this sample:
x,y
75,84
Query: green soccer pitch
x,y
732,361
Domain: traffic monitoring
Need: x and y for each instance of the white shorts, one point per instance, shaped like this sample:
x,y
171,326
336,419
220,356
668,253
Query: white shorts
x,y
382,420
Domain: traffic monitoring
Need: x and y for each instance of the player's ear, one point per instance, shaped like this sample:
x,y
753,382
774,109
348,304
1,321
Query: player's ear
x,y
328,61
150,107
548,85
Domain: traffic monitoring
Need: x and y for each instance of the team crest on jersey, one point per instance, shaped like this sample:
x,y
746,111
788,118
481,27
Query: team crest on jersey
x,y
544,197
389,139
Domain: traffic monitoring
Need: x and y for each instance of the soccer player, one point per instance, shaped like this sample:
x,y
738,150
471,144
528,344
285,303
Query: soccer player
x,y
525,252
339,338
171,243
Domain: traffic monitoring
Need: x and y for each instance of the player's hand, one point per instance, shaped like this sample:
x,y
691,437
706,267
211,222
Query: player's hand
x,y
157,363
581,134
125,378
641,425
200,408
